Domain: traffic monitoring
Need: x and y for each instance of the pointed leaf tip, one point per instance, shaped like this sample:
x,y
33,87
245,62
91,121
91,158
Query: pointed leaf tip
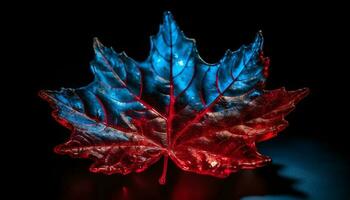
x,y
168,20
168,16
168,30
259,40
97,44
301,93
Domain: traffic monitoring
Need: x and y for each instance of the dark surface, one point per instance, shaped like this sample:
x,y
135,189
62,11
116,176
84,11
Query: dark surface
x,y
303,41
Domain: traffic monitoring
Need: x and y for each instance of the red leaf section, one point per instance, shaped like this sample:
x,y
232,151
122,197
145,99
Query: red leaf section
x,y
221,144
216,145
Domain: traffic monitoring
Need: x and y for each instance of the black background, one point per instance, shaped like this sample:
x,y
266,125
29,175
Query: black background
x,y
51,47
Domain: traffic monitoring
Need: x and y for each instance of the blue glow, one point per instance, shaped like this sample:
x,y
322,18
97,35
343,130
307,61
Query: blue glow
x,y
318,172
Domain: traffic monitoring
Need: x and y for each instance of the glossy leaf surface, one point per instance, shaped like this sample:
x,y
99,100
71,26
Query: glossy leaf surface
x,y
206,117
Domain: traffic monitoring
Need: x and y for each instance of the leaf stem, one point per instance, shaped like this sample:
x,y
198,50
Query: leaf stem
x,y
162,179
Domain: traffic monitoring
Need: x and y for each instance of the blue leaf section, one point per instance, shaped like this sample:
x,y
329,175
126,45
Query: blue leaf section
x,y
125,89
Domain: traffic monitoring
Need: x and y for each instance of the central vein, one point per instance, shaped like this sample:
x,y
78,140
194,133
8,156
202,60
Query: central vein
x,y
170,116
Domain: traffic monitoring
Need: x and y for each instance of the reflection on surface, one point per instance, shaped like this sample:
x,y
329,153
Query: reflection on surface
x,y
301,169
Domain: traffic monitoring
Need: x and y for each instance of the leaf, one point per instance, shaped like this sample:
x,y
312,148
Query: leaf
x,y
206,117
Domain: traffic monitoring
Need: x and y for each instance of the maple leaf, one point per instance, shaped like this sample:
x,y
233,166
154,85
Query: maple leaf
x,y
206,117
